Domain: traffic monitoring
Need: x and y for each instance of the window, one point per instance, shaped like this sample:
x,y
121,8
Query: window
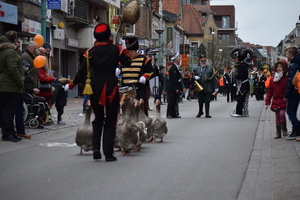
x,y
225,21
298,32
225,38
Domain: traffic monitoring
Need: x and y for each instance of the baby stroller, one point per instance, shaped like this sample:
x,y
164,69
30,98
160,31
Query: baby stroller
x,y
36,109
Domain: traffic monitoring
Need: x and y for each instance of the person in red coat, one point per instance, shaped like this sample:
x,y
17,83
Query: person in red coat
x,y
275,95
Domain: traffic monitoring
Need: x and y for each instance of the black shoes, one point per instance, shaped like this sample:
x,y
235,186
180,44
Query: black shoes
x,y
177,116
199,114
16,137
9,138
96,155
207,116
169,117
110,158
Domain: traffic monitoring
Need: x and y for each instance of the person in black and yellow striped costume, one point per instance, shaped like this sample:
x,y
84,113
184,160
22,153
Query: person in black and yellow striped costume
x,y
139,71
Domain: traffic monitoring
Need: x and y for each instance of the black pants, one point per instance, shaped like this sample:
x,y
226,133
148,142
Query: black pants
x,y
106,120
241,97
60,112
172,101
8,107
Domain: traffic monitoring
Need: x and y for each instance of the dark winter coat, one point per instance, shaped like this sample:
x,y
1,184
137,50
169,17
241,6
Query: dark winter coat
x,y
11,69
29,57
59,96
174,79
275,93
293,67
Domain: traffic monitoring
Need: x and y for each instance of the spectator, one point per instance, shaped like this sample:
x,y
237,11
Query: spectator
x,y
275,95
11,84
29,56
59,98
291,94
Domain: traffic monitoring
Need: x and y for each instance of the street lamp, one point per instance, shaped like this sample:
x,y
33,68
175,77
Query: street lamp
x,y
192,56
159,32
214,46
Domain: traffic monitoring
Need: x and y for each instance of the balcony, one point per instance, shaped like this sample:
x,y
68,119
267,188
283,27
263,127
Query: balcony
x,y
230,26
78,12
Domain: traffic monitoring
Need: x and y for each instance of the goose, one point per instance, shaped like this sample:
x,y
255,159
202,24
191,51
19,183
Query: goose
x,y
147,120
158,124
84,134
140,125
127,131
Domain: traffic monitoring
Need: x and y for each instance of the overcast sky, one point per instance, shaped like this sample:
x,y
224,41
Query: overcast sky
x,y
264,22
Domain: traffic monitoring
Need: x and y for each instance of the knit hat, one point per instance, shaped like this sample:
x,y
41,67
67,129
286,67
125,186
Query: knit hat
x,y
47,45
102,32
132,42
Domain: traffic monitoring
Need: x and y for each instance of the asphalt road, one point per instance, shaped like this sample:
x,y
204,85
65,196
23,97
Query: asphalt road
x,y
200,159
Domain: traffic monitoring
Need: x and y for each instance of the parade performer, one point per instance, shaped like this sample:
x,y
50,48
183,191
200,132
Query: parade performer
x,y
104,58
139,70
206,77
174,88
241,75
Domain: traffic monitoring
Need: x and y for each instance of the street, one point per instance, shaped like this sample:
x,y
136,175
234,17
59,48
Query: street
x,y
211,159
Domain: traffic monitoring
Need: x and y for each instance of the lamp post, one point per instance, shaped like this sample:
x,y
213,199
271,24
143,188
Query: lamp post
x,y
192,56
214,46
159,32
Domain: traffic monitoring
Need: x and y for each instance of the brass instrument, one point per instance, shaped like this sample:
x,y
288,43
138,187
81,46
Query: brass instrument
x,y
130,15
198,86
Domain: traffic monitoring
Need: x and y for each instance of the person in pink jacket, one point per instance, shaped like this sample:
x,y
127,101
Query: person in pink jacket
x,y
275,97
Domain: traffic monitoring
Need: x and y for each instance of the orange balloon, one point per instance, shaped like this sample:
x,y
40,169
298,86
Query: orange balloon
x,y
298,82
39,40
39,61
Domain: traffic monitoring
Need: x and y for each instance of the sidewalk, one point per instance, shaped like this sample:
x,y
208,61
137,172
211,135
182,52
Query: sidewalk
x,y
274,167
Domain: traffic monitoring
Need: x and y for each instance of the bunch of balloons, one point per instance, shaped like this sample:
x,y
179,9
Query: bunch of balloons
x,y
39,61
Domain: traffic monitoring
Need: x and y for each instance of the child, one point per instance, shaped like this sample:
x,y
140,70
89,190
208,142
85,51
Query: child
x,y
276,94
59,97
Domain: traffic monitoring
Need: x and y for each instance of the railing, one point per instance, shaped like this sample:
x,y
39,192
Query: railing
x,y
229,25
78,9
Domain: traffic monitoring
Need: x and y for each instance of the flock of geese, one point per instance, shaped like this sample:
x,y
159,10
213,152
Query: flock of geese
x,y
134,127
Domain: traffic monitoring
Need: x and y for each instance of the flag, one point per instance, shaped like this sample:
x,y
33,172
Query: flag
x,y
170,44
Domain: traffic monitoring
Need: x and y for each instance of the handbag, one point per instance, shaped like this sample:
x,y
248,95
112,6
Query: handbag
x,y
44,86
88,88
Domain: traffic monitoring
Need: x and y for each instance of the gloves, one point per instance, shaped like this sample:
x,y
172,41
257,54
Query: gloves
x,y
66,88
69,86
197,77
142,80
118,72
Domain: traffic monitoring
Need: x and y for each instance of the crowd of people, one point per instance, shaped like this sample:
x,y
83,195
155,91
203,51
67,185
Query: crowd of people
x,y
21,83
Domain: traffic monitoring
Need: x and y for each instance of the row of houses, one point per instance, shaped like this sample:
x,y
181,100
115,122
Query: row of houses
x,y
192,27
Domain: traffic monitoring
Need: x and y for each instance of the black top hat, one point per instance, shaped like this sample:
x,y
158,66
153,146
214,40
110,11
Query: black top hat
x,y
132,42
102,32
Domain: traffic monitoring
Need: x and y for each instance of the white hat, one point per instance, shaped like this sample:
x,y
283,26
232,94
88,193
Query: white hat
x,y
174,56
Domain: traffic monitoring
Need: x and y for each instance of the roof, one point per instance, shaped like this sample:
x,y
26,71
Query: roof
x,y
203,8
192,21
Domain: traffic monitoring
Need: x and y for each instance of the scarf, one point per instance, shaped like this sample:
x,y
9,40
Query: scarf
x,y
278,76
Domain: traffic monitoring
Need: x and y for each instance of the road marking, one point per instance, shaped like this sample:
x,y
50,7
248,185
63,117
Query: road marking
x,y
57,144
